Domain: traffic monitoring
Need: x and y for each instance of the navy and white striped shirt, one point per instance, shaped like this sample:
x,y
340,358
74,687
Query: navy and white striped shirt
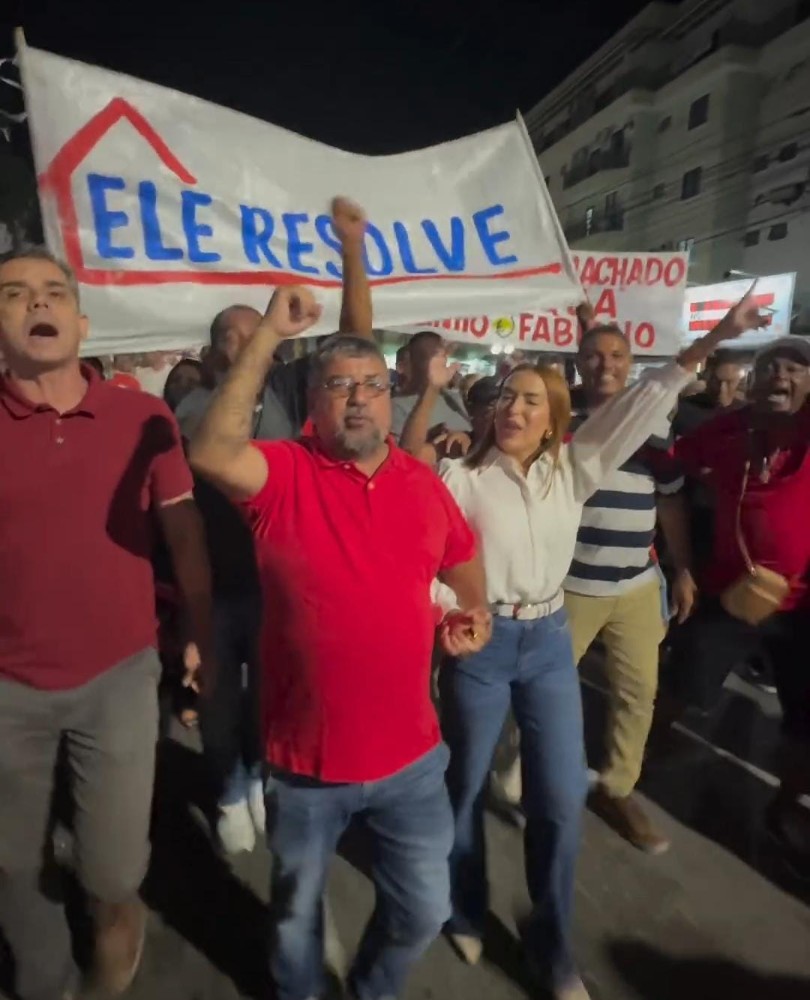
x,y
613,553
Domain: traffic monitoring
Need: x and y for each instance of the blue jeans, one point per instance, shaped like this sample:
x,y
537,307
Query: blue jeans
x,y
531,665
411,823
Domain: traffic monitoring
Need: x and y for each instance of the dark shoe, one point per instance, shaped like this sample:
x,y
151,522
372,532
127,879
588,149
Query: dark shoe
x,y
629,820
120,936
788,827
760,675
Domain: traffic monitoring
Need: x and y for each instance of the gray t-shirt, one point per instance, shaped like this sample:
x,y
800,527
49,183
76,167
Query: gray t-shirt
x,y
449,411
280,413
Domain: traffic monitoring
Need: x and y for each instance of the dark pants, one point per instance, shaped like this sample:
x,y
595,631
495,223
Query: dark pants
x,y
411,823
708,646
229,716
107,730
530,666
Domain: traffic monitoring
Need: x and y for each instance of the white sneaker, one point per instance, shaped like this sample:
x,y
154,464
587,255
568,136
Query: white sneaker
x,y
469,948
255,801
235,828
573,991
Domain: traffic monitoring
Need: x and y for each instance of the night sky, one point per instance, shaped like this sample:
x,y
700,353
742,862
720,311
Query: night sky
x,y
371,78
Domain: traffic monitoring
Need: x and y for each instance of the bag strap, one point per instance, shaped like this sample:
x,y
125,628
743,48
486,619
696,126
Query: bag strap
x,y
749,565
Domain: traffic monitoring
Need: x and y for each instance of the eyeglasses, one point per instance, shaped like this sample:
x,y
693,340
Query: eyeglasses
x,y
342,386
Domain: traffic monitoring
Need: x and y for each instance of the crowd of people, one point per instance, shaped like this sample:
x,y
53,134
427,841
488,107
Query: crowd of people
x,y
320,537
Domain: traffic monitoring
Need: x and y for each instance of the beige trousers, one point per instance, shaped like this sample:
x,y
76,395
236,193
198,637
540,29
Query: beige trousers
x,y
631,628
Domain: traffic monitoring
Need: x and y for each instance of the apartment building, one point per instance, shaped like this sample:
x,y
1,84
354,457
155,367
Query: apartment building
x,y
690,129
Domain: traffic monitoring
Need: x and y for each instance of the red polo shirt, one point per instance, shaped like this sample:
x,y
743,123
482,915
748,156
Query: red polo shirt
x,y
75,530
346,563
773,514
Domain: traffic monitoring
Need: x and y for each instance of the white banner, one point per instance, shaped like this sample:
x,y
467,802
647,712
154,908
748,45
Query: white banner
x,y
706,304
170,208
642,292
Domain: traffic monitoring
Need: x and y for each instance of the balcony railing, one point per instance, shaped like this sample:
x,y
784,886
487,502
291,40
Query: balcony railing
x,y
599,222
599,160
737,33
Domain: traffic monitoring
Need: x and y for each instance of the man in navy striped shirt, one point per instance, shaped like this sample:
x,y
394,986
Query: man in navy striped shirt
x,y
614,590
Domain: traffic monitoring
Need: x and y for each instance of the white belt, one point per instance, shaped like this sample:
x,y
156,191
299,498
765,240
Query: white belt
x,y
528,612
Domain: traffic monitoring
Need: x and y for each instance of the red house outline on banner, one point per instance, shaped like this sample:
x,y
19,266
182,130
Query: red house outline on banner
x,y
57,181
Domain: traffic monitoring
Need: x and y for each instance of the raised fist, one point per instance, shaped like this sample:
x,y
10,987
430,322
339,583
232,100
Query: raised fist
x,y
349,220
440,373
292,310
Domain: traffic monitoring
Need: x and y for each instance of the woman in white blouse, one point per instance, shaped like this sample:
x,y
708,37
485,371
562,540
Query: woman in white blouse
x,y
522,489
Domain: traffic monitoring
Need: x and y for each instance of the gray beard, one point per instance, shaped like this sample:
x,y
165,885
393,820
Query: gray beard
x,y
348,448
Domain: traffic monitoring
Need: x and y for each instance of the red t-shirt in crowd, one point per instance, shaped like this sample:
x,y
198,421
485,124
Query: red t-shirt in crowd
x,y
773,515
346,563
76,530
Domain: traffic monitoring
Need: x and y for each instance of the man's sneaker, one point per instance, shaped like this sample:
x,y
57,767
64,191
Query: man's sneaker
x,y
235,828
120,936
629,820
255,801
470,948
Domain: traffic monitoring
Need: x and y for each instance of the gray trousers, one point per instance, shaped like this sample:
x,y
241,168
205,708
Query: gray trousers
x,y
107,731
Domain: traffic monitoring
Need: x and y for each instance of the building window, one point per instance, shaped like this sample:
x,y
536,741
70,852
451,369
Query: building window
x,y
588,221
685,246
789,152
751,238
611,203
760,163
690,185
665,123
658,191
617,143
699,112
548,180
778,232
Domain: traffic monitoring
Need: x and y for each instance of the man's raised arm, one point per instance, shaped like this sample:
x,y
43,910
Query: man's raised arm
x,y
349,221
220,450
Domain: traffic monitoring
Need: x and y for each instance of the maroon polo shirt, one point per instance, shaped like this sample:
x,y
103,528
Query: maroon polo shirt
x,y
76,499
347,563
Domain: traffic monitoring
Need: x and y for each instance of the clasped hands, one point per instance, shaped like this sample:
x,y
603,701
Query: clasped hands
x,y
462,633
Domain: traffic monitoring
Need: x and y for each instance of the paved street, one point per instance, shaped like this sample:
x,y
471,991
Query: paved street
x,y
716,918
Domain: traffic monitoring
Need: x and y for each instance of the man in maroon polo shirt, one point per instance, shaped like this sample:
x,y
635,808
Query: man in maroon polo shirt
x,y
772,438
350,533
85,466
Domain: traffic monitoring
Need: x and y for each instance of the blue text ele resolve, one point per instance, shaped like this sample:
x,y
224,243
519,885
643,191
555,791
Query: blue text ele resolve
x,y
290,241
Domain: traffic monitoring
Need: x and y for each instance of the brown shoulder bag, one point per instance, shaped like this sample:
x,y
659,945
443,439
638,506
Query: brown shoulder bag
x,y
759,592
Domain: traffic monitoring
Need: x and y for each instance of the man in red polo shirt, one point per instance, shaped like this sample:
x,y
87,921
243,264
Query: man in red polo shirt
x,y
85,465
350,533
771,439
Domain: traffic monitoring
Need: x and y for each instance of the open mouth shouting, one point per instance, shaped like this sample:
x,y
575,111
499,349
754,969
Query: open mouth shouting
x,y
778,397
43,330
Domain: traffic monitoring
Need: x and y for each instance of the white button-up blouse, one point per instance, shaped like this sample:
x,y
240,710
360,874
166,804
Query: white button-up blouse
x,y
527,525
